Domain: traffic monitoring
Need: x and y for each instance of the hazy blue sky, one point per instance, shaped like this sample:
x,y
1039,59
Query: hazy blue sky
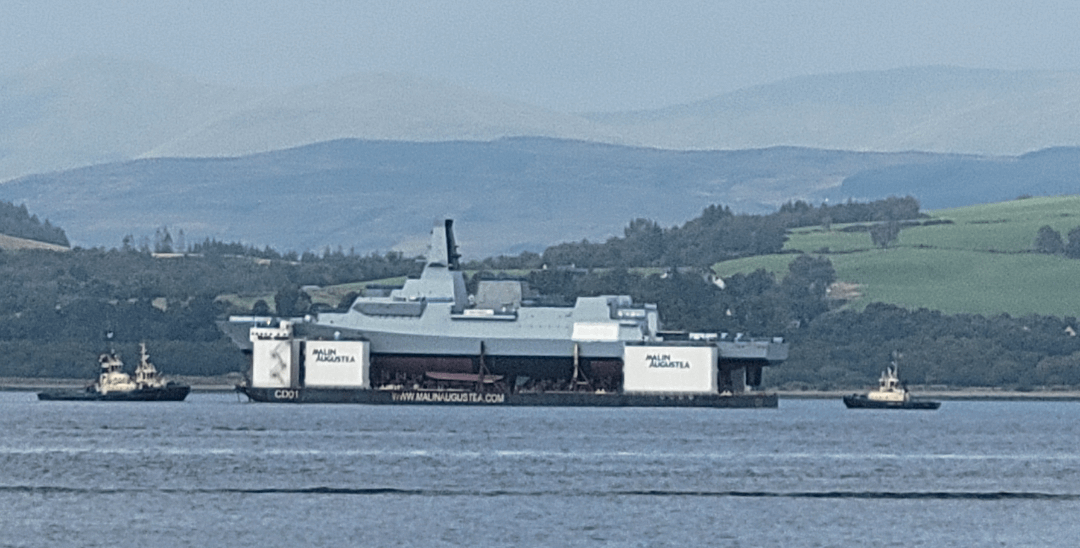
x,y
565,55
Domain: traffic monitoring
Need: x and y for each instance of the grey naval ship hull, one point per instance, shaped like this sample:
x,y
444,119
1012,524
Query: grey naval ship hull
x,y
172,392
552,399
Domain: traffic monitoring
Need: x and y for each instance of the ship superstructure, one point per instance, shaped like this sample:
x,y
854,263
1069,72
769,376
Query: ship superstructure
x,y
431,335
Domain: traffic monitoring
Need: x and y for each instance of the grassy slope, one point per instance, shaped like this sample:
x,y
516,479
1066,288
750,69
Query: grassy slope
x,y
980,264
11,243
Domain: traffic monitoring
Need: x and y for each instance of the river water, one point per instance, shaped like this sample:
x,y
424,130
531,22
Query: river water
x,y
211,471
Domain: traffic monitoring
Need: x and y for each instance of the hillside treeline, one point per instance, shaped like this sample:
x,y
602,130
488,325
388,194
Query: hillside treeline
x,y
690,299
720,234
56,308
848,348
18,222
833,348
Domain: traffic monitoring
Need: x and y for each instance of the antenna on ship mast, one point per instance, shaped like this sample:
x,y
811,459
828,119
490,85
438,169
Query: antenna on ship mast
x,y
110,348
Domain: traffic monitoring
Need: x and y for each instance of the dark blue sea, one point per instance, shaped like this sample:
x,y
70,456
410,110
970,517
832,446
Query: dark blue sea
x,y
212,471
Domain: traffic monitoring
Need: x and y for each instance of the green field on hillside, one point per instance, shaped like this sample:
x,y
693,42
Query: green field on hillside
x,y
981,263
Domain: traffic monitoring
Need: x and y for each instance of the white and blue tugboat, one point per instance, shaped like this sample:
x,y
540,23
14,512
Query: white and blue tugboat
x,y
113,384
891,394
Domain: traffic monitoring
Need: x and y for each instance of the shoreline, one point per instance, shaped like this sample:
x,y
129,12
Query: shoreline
x,y
227,383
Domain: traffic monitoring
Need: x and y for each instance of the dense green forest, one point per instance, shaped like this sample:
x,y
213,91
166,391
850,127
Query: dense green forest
x,y
57,307
832,347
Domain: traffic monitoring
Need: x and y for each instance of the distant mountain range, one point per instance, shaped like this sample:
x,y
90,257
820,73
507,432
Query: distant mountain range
x,y
931,109
106,148
508,195
89,111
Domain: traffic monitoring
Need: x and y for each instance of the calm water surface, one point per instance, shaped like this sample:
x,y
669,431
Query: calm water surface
x,y
215,472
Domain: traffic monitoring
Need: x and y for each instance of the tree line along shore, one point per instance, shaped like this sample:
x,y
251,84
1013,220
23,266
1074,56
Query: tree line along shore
x,y
60,307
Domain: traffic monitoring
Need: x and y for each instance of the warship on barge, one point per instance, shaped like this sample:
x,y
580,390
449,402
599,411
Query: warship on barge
x,y
429,342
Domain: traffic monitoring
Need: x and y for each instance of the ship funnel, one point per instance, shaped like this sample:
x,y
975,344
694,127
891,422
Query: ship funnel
x,y
442,251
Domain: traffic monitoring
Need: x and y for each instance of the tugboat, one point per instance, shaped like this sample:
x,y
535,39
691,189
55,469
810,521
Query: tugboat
x,y
115,385
891,394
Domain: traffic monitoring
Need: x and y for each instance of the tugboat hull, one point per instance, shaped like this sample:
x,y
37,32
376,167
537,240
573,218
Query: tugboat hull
x,y
856,401
170,392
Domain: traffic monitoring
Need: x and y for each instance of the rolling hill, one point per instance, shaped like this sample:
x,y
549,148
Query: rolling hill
x,y
374,107
955,181
366,162
933,109
508,195
89,111
84,112
981,263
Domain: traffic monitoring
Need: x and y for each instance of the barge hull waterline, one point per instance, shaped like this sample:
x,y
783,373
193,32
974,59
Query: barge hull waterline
x,y
549,399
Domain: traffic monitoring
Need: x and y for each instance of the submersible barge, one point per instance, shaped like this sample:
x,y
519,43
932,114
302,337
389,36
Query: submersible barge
x,y
429,342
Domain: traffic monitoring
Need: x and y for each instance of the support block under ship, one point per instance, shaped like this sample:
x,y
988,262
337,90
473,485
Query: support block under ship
x,y
429,342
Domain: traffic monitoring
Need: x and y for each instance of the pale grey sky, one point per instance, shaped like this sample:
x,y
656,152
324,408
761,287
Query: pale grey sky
x,y
565,55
